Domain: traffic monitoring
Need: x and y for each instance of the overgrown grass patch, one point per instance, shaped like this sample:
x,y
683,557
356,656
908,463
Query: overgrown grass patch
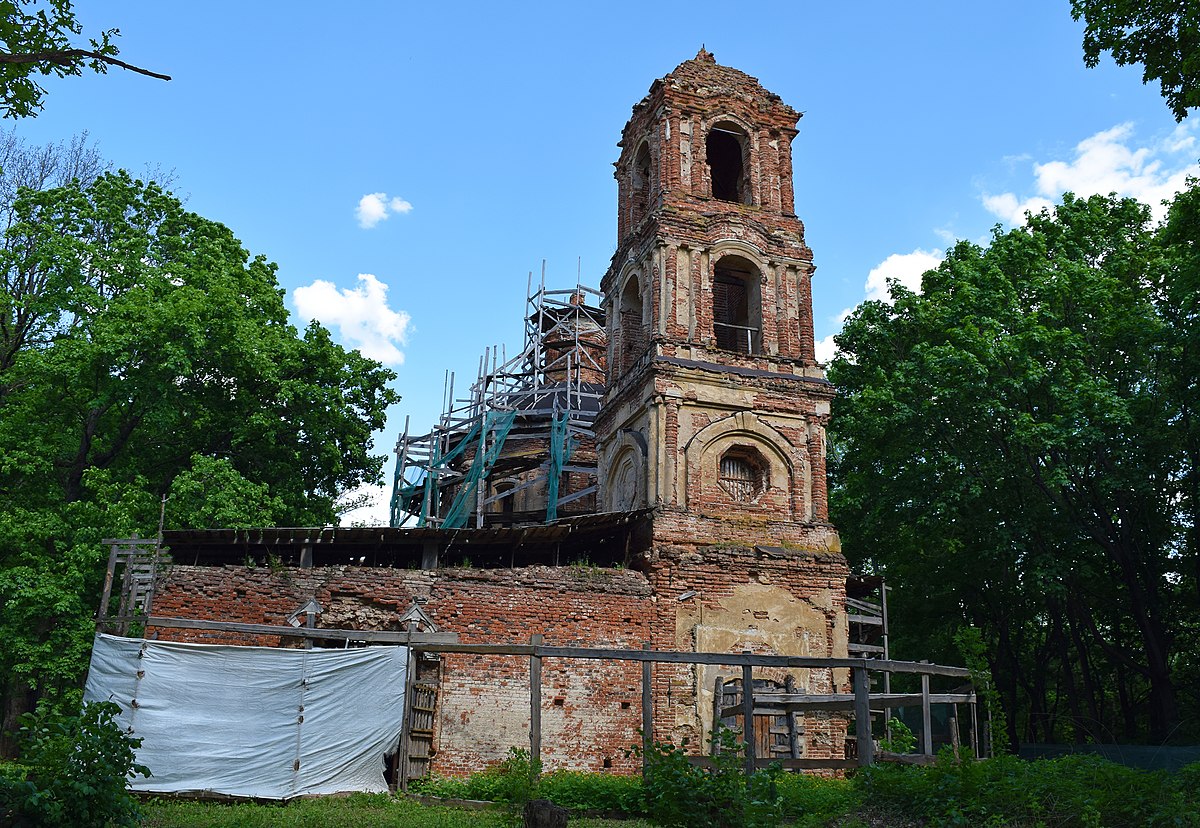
x,y
357,811
1071,792
583,791
813,801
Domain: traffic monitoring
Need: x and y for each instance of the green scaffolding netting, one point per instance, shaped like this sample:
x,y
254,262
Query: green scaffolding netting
x,y
496,425
561,446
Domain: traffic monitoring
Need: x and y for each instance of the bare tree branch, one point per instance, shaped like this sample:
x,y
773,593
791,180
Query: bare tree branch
x,y
71,57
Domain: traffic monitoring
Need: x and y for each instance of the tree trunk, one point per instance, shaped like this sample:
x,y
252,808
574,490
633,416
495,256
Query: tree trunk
x,y
18,700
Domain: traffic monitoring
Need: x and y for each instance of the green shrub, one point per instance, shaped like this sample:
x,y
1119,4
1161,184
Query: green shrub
x,y
1084,791
903,740
505,781
680,795
447,787
511,781
73,771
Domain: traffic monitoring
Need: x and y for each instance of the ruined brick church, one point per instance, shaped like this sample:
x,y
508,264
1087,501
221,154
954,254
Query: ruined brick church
x,y
654,475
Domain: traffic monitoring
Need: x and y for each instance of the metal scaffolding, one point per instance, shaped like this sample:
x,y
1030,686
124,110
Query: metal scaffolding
x,y
522,421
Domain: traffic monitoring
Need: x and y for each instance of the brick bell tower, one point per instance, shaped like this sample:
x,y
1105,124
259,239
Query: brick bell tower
x,y
716,407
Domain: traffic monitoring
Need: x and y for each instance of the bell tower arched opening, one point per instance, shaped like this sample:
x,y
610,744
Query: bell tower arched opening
x,y
726,149
737,306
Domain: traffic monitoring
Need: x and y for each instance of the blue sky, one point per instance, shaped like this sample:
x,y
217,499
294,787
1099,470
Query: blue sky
x,y
482,137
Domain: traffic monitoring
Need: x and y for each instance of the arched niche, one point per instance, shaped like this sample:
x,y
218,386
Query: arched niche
x,y
630,334
640,184
623,479
774,474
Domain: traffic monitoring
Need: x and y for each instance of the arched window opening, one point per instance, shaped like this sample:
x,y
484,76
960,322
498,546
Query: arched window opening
x,y
641,184
631,335
737,310
743,474
725,148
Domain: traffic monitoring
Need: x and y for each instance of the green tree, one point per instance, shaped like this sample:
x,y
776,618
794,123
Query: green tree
x,y
1010,454
37,39
144,352
1162,35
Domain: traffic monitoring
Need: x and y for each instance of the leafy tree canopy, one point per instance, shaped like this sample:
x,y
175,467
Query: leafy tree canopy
x,y
1162,35
38,38
1015,447
145,353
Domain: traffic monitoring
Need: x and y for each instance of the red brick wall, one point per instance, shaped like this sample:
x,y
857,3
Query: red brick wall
x,y
591,710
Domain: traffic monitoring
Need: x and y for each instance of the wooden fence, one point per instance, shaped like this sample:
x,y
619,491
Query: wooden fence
x,y
861,703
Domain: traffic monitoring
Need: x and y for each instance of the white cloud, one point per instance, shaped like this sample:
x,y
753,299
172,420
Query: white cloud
x,y
905,268
372,506
1012,210
361,316
375,207
826,349
1107,162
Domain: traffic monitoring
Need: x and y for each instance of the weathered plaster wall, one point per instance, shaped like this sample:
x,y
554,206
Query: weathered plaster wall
x,y
770,601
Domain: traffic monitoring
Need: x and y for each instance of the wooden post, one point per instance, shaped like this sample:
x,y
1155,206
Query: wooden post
x,y
535,702
954,731
789,686
310,623
718,704
862,717
402,767
102,614
647,710
926,718
988,750
748,715
974,730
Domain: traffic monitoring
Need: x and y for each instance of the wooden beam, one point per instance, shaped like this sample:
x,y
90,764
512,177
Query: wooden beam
x,y
862,717
647,710
406,732
789,685
535,702
748,714
775,703
677,657
106,595
866,606
908,758
788,764
447,642
873,620
926,718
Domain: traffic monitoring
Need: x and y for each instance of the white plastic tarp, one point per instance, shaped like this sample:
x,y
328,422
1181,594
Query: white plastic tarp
x,y
254,721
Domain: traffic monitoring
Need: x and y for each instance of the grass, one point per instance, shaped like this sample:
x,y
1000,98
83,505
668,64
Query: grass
x,y
1071,792
357,811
